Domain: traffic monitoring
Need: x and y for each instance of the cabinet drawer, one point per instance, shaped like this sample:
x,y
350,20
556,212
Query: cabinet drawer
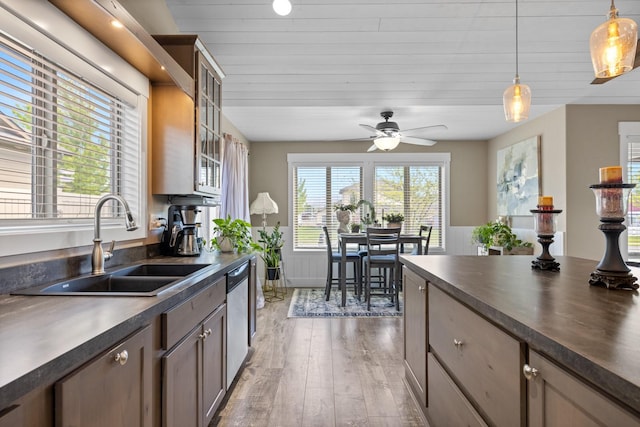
x,y
483,360
181,319
447,405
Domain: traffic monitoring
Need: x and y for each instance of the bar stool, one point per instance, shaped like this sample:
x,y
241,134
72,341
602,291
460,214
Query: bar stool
x,y
336,257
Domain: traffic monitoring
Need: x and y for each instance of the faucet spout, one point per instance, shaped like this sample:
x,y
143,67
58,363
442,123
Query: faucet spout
x,y
98,256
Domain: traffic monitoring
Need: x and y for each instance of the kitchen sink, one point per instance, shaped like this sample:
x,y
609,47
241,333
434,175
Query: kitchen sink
x,y
135,280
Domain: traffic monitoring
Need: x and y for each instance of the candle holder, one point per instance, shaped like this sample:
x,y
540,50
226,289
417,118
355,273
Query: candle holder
x,y
611,206
545,226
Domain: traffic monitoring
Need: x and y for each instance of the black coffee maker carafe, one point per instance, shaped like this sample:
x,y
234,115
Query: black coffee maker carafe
x,y
181,236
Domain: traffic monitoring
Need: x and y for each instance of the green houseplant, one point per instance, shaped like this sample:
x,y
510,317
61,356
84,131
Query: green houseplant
x,y
270,245
394,219
232,235
497,234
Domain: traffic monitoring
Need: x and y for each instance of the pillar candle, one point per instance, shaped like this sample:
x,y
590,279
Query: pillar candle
x,y
611,175
545,201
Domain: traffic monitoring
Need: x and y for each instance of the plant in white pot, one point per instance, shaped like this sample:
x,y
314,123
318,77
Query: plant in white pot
x,y
232,235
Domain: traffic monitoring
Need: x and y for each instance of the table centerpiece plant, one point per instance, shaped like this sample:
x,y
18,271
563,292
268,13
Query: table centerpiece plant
x,y
394,220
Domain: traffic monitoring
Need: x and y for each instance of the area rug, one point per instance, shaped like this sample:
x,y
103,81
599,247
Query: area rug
x,y
309,302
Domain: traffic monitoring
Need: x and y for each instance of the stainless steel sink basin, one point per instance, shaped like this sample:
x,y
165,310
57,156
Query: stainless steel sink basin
x,y
135,280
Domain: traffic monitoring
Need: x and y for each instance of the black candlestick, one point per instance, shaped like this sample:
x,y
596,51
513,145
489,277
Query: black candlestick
x,y
545,226
611,205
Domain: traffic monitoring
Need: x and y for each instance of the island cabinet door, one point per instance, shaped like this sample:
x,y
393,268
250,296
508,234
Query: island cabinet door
x,y
557,398
112,390
482,359
415,334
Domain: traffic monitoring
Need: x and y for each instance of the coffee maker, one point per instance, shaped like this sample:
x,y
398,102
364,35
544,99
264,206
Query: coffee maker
x,y
180,238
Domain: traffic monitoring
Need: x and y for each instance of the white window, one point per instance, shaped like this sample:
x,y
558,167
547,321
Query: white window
x,y
630,159
69,134
412,185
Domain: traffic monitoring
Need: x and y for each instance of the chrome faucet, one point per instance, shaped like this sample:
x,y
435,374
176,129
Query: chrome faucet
x,y
98,257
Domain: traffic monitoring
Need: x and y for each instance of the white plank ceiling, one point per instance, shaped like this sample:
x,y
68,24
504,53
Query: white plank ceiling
x,y
332,64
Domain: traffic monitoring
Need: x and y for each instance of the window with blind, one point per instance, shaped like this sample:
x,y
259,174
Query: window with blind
x,y
413,185
630,157
64,142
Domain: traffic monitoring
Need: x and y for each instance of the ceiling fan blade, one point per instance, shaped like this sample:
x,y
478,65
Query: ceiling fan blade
x,y
372,148
417,141
374,130
636,64
434,127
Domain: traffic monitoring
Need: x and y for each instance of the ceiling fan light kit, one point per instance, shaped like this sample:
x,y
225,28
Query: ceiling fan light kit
x,y
516,99
386,143
282,7
613,45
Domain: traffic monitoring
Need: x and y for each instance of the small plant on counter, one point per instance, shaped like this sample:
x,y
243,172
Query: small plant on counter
x,y
232,235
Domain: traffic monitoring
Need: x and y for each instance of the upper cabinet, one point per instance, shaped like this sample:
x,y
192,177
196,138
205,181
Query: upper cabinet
x,y
186,138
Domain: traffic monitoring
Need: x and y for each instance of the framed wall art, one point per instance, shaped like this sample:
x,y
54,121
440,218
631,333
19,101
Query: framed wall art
x,y
518,180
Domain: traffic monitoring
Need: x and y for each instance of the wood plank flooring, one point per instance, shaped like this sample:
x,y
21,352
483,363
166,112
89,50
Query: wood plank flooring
x,y
321,372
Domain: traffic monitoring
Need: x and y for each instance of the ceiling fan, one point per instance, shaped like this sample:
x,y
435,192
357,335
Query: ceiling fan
x,y
387,135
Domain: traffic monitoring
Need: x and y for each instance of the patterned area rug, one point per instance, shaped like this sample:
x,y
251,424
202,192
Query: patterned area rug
x,y
309,302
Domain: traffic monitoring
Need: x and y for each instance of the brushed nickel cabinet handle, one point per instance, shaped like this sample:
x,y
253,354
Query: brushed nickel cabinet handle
x,y
208,332
422,288
122,357
529,372
458,343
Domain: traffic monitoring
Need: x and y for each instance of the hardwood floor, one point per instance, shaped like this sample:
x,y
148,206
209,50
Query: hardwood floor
x,y
321,372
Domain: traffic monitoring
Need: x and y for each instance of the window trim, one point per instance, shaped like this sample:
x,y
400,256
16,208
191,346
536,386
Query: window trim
x,y
368,163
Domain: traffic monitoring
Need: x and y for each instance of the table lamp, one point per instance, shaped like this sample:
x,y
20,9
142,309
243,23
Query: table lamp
x,y
263,205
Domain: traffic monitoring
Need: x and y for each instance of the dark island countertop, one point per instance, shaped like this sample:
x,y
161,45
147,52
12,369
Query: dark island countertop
x,y
592,331
44,337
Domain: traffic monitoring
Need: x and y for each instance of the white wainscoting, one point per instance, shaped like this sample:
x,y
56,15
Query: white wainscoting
x,y
309,268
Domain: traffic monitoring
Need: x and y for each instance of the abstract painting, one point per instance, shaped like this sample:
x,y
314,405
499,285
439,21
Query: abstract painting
x,y
518,177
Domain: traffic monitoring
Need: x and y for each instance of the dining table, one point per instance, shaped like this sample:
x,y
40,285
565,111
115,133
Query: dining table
x,y
359,239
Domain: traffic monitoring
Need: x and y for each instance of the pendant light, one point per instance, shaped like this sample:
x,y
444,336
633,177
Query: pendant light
x,y
613,45
517,97
282,7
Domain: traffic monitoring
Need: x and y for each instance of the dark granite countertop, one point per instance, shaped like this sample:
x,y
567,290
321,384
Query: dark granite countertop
x,y
592,331
43,338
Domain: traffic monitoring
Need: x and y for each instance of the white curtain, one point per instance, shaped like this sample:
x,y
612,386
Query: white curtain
x,y
235,189
235,181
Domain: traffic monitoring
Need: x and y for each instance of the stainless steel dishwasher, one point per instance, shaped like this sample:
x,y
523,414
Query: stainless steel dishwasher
x,y
237,319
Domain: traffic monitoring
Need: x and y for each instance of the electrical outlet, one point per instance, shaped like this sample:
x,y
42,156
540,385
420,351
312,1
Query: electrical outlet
x,y
154,222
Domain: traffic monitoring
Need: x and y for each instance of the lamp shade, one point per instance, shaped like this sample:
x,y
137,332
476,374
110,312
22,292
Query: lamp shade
x,y
516,101
263,205
613,45
387,143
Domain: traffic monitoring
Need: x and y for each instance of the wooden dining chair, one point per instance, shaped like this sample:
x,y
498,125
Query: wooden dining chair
x,y
425,231
383,247
336,257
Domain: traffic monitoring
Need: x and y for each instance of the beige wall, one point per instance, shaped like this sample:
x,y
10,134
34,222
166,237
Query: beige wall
x,y
268,172
592,142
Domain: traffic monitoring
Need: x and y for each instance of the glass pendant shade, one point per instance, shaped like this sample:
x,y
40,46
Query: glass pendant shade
x,y
387,143
516,101
613,45
282,7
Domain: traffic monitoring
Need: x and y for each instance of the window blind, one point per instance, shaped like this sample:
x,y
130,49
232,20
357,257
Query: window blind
x,y
64,142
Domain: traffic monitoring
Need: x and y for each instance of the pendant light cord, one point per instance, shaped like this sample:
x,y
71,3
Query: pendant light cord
x,y
517,38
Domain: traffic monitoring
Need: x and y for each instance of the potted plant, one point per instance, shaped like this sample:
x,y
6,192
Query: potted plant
x,y
499,234
343,214
232,235
394,220
270,247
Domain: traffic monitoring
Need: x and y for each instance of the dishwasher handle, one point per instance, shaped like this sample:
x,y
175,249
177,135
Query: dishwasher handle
x,y
235,276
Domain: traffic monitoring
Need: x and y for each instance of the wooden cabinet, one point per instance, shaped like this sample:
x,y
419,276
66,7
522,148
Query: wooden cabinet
x,y
114,389
483,360
186,132
194,369
557,398
415,334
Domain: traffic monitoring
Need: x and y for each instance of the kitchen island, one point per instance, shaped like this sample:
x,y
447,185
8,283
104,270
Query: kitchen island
x,y
44,339
509,342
